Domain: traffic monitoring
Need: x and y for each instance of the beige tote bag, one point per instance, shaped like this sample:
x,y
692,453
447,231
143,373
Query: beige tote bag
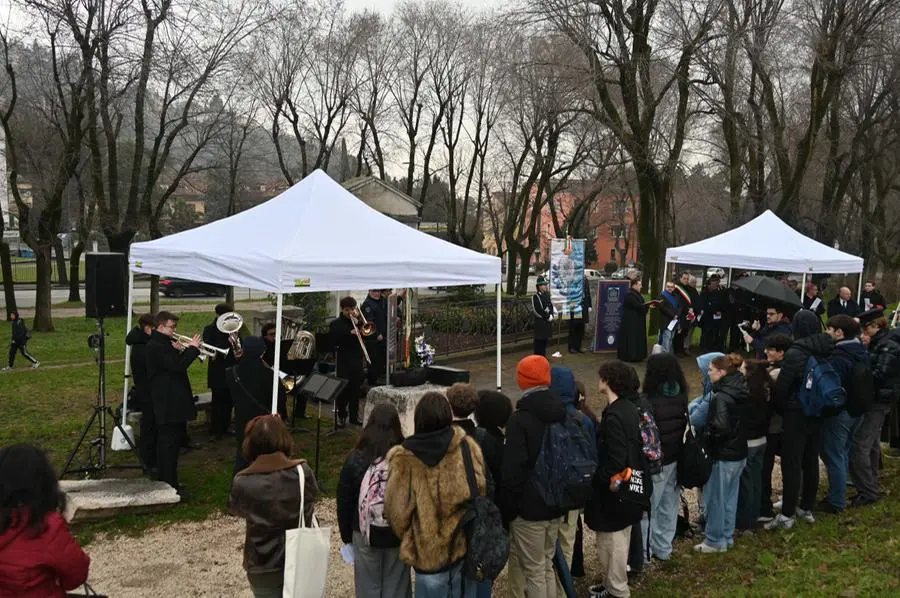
x,y
306,553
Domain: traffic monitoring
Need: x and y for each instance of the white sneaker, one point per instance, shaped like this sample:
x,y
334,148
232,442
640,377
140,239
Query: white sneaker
x,y
780,522
35,365
777,505
6,369
707,549
805,515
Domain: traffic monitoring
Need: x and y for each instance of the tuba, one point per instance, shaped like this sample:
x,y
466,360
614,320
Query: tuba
x,y
230,323
304,345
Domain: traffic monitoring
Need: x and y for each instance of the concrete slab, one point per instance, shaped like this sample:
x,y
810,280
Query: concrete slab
x,y
98,499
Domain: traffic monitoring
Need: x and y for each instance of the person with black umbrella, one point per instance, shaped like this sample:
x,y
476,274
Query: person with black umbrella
x,y
776,323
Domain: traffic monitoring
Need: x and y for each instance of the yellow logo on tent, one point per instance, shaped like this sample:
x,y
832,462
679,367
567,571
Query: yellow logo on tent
x,y
139,264
302,282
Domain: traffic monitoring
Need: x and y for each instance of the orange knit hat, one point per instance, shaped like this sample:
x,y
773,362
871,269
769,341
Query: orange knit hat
x,y
532,371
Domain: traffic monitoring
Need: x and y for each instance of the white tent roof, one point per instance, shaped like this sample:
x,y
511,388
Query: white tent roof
x,y
316,236
766,243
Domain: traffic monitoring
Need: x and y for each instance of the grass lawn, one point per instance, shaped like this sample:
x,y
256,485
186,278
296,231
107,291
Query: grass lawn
x,y
853,554
50,405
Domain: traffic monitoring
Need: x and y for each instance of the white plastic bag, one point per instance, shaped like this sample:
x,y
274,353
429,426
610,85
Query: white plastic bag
x,y
306,552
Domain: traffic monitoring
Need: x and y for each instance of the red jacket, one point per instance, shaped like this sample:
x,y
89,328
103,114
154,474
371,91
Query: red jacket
x,y
43,565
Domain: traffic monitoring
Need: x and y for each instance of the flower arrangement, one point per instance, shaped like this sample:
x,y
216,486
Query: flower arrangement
x,y
423,354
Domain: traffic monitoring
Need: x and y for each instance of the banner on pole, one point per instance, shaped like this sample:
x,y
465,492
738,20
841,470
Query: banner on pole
x,y
567,275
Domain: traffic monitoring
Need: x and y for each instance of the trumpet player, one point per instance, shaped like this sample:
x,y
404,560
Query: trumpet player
x,y
347,345
222,404
168,361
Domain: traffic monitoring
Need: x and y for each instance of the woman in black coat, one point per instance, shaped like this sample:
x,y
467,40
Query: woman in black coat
x,y
632,342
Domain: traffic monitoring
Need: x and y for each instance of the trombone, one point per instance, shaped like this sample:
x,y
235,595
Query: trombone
x,y
359,335
368,328
205,350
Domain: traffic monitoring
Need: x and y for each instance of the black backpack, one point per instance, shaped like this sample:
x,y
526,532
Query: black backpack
x,y
487,543
694,465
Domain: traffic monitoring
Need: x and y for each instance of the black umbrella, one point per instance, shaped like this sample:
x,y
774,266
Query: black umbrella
x,y
765,291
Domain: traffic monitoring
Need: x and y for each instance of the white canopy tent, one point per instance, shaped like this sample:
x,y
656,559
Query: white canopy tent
x,y
766,243
316,236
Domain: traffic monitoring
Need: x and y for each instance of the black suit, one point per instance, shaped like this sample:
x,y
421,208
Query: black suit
x,y
349,356
250,383
577,323
375,311
216,380
140,395
714,307
848,308
173,400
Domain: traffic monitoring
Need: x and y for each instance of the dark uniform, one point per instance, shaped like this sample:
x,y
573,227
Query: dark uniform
x,y
348,359
543,314
140,395
173,400
222,405
577,323
375,311
713,320
250,382
20,336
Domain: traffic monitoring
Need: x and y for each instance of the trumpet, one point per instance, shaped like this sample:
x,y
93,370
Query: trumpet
x,y
205,350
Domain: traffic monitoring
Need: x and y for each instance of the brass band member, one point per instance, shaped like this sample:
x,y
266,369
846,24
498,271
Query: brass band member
x,y
220,414
170,390
140,390
346,343
374,308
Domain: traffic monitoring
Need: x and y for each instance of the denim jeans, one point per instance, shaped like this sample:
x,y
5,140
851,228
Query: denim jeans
x,y
837,438
866,451
749,496
666,337
446,584
663,513
721,497
485,589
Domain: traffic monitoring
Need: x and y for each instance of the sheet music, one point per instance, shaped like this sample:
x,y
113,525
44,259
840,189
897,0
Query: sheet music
x,y
815,304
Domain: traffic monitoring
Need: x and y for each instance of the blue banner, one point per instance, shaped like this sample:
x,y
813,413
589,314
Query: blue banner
x,y
567,275
609,308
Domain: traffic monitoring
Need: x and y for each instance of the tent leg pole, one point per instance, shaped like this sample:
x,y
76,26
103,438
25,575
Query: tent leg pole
x,y
276,367
499,335
665,274
127,346
859,288
387,341
803,287
729,276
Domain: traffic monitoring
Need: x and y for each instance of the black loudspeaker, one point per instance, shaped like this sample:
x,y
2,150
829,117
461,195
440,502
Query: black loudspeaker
x,y
106,276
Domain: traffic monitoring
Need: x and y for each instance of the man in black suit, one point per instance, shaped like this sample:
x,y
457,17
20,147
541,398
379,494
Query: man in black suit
x,y
170,390
812,299
345,343
222,405
871,297
578,323
139,399
843,304
374,308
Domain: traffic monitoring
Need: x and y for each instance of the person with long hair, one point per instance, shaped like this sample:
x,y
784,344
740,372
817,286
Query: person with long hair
x,y
666,391
378,571
726,442
267,495
39,558
757,414
426,497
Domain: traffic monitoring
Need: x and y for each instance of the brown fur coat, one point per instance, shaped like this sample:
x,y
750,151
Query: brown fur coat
x,y
425,504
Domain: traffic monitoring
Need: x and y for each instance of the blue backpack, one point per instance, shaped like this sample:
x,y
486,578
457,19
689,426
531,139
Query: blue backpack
x,y
564,471
821,388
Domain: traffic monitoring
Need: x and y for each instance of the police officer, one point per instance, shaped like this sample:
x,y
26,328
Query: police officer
x,y
543,315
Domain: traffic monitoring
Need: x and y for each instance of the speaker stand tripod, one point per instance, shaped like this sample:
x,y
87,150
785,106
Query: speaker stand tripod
x,y
101,412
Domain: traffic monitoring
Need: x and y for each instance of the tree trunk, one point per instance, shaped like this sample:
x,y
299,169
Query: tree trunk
x,y
9,289
524,266
75,273
229,296
43,304
60,256
510,273
154,294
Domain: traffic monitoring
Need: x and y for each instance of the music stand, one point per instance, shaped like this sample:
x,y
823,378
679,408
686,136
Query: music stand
x,y
321,389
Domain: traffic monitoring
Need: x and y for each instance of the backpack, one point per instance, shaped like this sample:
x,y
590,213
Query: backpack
x,y
861,393
371,498
487,543
565,466
694,465
651,444
820,388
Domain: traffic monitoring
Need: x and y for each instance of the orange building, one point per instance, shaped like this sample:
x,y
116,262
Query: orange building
x,y
612,219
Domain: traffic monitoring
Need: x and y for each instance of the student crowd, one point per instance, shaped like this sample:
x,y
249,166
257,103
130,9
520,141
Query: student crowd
x,y
480,485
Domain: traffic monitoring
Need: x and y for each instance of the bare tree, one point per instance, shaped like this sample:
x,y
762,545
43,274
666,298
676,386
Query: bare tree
x,y
640,56
43,122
